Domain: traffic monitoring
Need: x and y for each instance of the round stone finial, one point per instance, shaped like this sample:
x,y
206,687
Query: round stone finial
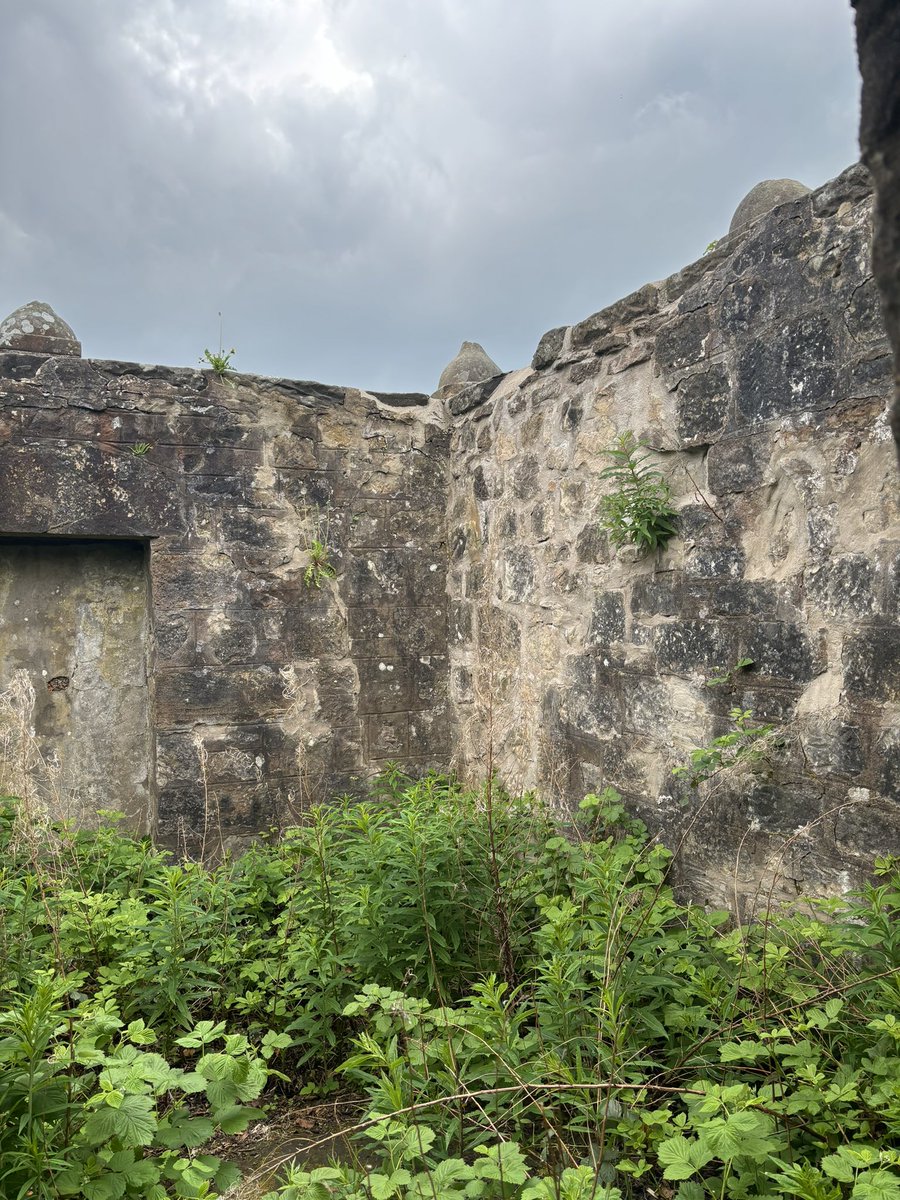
x,y
35,327
763,198
471,365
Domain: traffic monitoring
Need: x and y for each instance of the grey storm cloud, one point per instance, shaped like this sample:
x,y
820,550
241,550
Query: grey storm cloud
x,y
359,185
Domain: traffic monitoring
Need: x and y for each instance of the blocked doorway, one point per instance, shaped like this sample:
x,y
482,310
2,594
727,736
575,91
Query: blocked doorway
x,y
74,644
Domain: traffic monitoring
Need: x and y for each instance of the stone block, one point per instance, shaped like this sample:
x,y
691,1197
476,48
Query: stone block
x,y
548,348
182,581
791,369
422,630
388,736
871,659
846,586
607,620
703,405
518,574
781,651
234,695
738,463
384,686
657,595
680,342
694,646
431,735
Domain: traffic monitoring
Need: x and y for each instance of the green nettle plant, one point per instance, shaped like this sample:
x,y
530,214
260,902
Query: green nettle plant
x,y
511,1003
639,508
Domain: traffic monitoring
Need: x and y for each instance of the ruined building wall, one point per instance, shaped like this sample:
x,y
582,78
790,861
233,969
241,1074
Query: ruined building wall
x,y
761,376
478,615
287,693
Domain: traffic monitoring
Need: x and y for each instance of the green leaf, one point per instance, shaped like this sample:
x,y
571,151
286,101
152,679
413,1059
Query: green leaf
x,y
138,1033
876,1185
179,1130
678,1157
202,1033
690,1190
503,1161
227,1176
235,1118
384,1186
221,1093
106,1187
142,1174
133,1122
837,1167
742,1051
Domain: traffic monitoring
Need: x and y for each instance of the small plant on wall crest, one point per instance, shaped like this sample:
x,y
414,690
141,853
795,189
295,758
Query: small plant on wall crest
x,y
219,361
639,509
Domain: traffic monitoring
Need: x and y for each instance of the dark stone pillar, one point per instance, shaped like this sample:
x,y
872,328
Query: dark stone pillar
x,y
878,47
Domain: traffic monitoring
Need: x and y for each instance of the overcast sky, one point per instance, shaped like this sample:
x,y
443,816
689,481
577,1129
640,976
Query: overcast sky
x,y
359,185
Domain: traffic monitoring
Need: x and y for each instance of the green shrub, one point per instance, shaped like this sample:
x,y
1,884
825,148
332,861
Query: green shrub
x,y
523,1006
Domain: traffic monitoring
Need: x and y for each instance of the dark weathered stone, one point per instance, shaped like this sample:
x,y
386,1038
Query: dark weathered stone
x,y
607,620
690,646
35,328
473,395
525,479
703,403
878,46
594,329
871,661
656,595
789,370
714,562
780,651
471,365
738,463
519,574
680,342
548,348
844,586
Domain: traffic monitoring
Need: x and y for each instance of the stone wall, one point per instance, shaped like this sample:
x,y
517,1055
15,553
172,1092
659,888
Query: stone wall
x,y
760,376
478,614
280,693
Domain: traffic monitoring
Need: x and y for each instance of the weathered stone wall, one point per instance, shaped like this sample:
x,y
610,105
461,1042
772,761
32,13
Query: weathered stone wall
x,y
761,377
75,617
286,692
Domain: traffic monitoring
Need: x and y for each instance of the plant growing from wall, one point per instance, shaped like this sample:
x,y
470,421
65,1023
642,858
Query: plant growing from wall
x,y
219,361
730,675
743,743
320,566
639,509
139,449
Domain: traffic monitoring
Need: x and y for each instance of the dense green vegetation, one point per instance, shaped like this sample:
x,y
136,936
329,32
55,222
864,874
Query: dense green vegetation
x,y
524,1009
